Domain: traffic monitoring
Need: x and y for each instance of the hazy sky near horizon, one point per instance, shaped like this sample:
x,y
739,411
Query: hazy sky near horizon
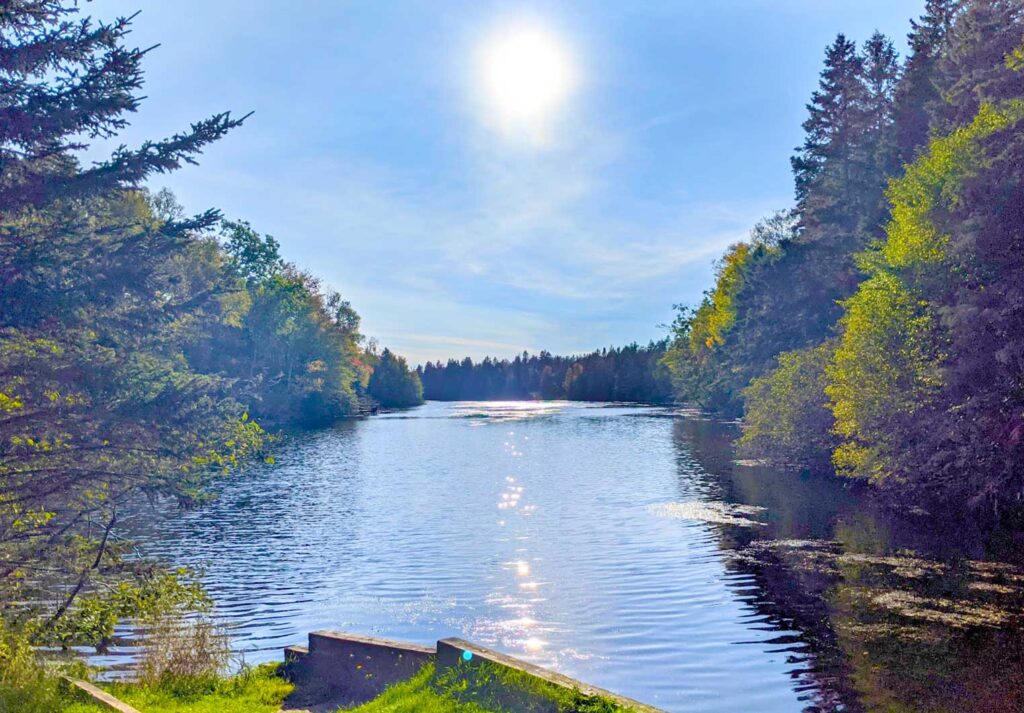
x,y
378,159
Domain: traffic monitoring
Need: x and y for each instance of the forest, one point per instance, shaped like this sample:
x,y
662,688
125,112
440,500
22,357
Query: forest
x,y
877,328
631,373
143,350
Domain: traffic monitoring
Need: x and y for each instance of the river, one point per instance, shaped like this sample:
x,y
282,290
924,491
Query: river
x,y
623,545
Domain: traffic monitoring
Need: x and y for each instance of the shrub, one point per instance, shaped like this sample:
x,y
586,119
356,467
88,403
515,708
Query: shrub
x,y
27,685
183,652
787,419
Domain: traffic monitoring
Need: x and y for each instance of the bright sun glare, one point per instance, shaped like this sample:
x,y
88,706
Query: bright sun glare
x,y
527,73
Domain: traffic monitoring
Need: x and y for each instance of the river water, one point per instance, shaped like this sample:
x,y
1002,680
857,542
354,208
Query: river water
x,y
619,544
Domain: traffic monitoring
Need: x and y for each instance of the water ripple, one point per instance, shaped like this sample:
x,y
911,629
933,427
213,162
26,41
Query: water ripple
x,y
567,534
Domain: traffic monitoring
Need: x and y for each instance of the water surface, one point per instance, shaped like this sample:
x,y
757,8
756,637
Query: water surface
x,y
622,545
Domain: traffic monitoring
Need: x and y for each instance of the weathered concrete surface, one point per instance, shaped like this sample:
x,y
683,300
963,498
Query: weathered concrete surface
x,y
451,661
341,669
98,695
294,656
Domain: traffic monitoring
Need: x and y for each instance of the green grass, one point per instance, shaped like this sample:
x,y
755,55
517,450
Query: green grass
x,y
418,695
496,689
499,688
256,690
567,700
481,688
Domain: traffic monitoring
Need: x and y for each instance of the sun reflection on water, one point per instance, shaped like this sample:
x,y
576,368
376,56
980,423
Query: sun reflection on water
x,y
517,589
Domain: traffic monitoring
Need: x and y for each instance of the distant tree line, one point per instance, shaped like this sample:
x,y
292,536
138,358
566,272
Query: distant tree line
x,y
631,373
877,328
140,347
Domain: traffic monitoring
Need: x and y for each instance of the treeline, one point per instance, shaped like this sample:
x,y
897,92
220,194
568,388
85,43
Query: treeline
x,y
294,349
630,373
139,347
877,328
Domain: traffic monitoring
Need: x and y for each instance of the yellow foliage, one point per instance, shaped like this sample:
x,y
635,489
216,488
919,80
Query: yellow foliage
x,y
932,180
888,361
10,403
1015,60
717,313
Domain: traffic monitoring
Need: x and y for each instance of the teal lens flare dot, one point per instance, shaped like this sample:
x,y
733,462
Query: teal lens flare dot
x,y
467,655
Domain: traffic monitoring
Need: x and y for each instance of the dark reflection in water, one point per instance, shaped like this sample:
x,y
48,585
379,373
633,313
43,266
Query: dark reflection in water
x,y
622,545
891,615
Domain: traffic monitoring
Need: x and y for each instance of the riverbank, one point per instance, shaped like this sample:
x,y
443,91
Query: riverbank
x,y
256,690
340,671
625,546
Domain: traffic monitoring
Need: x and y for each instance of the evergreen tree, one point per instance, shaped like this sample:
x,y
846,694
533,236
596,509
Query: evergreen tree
x,y
98,401
918,386
631,373
917,90
101,287
880,153
828,166
929,367
63,81
973,68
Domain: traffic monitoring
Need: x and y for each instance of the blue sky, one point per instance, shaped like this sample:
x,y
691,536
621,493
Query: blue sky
x,y
372,159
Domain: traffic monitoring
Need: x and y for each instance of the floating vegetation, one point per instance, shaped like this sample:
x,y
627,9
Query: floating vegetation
x,y
819,557
869,631
796,544
992,587
915,596
905,565
999,571
716,512
955,613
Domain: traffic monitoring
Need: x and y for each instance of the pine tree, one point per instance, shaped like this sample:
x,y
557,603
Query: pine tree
x,y
100,288
878,149
973,68
917,91
64,81
828,163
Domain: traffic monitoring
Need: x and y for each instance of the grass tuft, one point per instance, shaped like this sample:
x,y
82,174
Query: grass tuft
x,y
254,690
418,695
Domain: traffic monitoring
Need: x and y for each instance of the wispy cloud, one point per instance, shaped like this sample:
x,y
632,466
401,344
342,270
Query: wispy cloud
x,y
519,254
434,347
492,246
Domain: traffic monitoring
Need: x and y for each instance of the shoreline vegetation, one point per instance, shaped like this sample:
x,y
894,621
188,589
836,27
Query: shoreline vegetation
x,y
263,690
875,330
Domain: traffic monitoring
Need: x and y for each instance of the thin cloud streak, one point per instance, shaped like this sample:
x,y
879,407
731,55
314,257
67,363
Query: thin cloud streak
x,y
373,168
440,346
428,253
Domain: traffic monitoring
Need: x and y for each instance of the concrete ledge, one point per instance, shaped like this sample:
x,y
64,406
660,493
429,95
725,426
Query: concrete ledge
x,y
330,642
98,695
452,661
348,669
295,652
294,656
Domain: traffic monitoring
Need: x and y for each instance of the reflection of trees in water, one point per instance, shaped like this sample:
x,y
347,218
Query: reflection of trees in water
x,y
913,634
868,621
796,602
792,602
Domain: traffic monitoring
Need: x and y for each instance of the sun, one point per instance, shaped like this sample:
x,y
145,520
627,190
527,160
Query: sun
x,y
526,74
